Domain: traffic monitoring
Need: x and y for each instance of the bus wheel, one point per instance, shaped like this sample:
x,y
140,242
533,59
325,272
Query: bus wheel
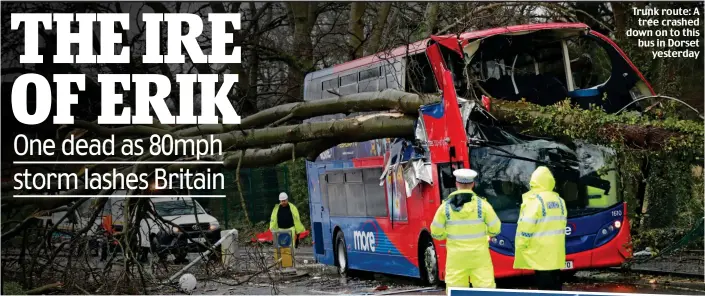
x,y
430,265
342,254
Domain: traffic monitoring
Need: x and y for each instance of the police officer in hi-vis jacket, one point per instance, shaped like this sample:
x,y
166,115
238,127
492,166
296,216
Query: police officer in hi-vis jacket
x,y
466,220
540,237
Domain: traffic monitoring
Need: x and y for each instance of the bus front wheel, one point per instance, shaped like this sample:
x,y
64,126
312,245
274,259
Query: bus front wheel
x,y
430,265
341,254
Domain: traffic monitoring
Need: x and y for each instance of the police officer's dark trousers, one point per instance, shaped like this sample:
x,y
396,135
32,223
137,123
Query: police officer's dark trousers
x,y
549,280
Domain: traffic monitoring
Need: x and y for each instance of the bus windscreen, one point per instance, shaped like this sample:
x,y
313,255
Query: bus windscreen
x,y
584,175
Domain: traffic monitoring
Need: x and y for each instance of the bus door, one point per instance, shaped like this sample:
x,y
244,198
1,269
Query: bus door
x,y
320,215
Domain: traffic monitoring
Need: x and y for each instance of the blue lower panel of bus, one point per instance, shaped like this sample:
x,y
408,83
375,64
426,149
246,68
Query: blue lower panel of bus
x,y
391,264
370,249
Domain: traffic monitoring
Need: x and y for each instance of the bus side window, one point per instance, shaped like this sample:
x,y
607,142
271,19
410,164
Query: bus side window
x,y
392,71
368,80
420,74
336,194
355,194
348,84
374,194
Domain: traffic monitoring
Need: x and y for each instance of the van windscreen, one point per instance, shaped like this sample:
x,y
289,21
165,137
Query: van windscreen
x,y
177,208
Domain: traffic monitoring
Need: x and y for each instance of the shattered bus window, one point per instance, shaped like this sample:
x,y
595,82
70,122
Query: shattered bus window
x,y
504,178
546,67
585,173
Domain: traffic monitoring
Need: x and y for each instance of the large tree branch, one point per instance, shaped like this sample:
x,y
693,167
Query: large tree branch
x,y
597,126
362,128
278,154
390,99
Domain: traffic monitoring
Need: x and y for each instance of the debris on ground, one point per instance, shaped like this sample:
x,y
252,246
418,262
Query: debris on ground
x,y
645,253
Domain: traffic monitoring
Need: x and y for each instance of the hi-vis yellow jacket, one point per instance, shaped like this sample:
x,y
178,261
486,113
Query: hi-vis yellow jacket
x,y
466,221
298,227
540,237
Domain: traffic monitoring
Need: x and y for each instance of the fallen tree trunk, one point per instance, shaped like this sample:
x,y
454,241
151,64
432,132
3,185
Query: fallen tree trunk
x,y
387,100
356,129
610,129
600,128
597,127
280,153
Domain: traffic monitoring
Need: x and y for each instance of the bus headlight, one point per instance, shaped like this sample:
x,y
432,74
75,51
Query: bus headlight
x,y
606,233
214,226
617,224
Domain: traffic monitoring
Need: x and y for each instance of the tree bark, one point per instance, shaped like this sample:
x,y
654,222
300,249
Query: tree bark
x,y
357,11
619,10
356,129
304,17
431,19
389,99
278,154
374,44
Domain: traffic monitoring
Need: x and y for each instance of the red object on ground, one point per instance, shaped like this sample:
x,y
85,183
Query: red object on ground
x,y
381,288
267,236
486,102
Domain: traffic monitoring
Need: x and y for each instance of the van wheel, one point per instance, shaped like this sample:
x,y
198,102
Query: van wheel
x,y
180,257
154,244
144,254
429,265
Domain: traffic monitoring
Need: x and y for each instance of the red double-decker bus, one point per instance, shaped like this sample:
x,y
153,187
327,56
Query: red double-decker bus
x,y
372,203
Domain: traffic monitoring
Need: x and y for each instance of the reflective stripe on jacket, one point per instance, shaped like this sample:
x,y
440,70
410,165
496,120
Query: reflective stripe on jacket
x,y
465,220
298,227
540,237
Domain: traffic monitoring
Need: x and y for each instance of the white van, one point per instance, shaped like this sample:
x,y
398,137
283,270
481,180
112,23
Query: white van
x,y
184,226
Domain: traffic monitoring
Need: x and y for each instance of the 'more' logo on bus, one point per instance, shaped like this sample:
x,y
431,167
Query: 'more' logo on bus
x,y
364,241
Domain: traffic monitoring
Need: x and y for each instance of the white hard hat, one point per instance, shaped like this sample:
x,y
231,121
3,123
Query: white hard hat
x,y
465,176
187,283
283,196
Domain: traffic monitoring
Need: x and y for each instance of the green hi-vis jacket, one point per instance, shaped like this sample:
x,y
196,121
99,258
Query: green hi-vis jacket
x,y
298,227
540,237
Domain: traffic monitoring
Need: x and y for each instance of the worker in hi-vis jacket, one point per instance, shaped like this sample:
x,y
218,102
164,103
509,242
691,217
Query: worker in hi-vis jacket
x,y
285,216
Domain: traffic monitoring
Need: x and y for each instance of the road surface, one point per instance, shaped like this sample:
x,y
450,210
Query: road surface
x,y
318,279
324,280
